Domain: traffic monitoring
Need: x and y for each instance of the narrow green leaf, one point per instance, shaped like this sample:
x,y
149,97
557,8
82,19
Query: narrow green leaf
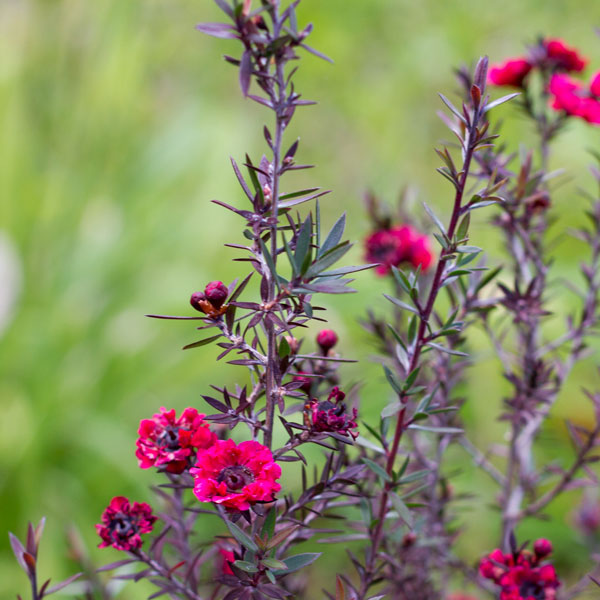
x,y
435,219
297,562
241,536
334,236
246,566
377,469
402,509
401,304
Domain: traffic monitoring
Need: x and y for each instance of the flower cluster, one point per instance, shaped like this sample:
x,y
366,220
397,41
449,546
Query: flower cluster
x,y
123,522
396,245
211,301
551,55
170,443
521,575
236,476
575,99
331,415
554,58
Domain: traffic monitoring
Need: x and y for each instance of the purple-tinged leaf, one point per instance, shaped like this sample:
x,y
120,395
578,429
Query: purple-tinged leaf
x,y
289,203
245,71
317,53
241,180
222,4
18,550
202,342
347,270
63,584
260,100
244,213
115,565
173,318
452,108
218,30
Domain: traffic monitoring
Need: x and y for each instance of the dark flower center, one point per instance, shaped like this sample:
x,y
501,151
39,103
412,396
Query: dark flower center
x,y
169,438
236,477
122,525
336,409
529,589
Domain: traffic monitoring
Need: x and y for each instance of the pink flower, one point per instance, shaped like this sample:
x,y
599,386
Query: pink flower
x,y
331,415
236,476
562,57
228,557
168,442
327,339
511,72
391,247
571,97
123,523
520,575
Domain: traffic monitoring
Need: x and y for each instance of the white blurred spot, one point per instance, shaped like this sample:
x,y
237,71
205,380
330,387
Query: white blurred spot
x,y
11,280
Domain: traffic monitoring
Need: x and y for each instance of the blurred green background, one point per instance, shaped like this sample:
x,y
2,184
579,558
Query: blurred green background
x,y
117,121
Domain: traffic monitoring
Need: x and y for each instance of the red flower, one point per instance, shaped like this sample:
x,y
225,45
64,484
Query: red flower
x,y
562,57
212,300
331,415
520,575
511,72
391,247
228,558
123,523
236,476
571,97
327,339
168,442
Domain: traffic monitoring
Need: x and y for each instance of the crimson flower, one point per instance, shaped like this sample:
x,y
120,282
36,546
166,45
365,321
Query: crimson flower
x,y
236,476
511,72
562,57
331,415
168,442
574,99
520,575
396,245
122,524
228,557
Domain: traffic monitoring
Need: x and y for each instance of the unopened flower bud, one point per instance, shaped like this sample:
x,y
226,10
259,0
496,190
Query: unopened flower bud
x,y
542,548
409,539
196,300
327,339
267,192
216,293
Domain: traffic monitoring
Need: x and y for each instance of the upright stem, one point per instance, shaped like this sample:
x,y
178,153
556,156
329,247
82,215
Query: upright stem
x,y
278,97
424,317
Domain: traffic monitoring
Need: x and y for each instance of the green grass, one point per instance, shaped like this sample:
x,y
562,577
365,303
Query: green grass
x,y
116,123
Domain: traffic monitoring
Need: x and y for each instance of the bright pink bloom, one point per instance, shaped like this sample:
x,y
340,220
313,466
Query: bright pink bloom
x,y
511,72
228,557
391,247
331,415
122,524
168,442
571,97
521,576
327,339
236,476
563,57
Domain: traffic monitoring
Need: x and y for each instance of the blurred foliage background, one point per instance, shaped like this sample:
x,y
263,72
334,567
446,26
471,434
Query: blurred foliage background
x,y
117,121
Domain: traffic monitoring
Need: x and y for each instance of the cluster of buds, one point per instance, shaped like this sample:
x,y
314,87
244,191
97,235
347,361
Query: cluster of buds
x,y
398,245
211,301
521,574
